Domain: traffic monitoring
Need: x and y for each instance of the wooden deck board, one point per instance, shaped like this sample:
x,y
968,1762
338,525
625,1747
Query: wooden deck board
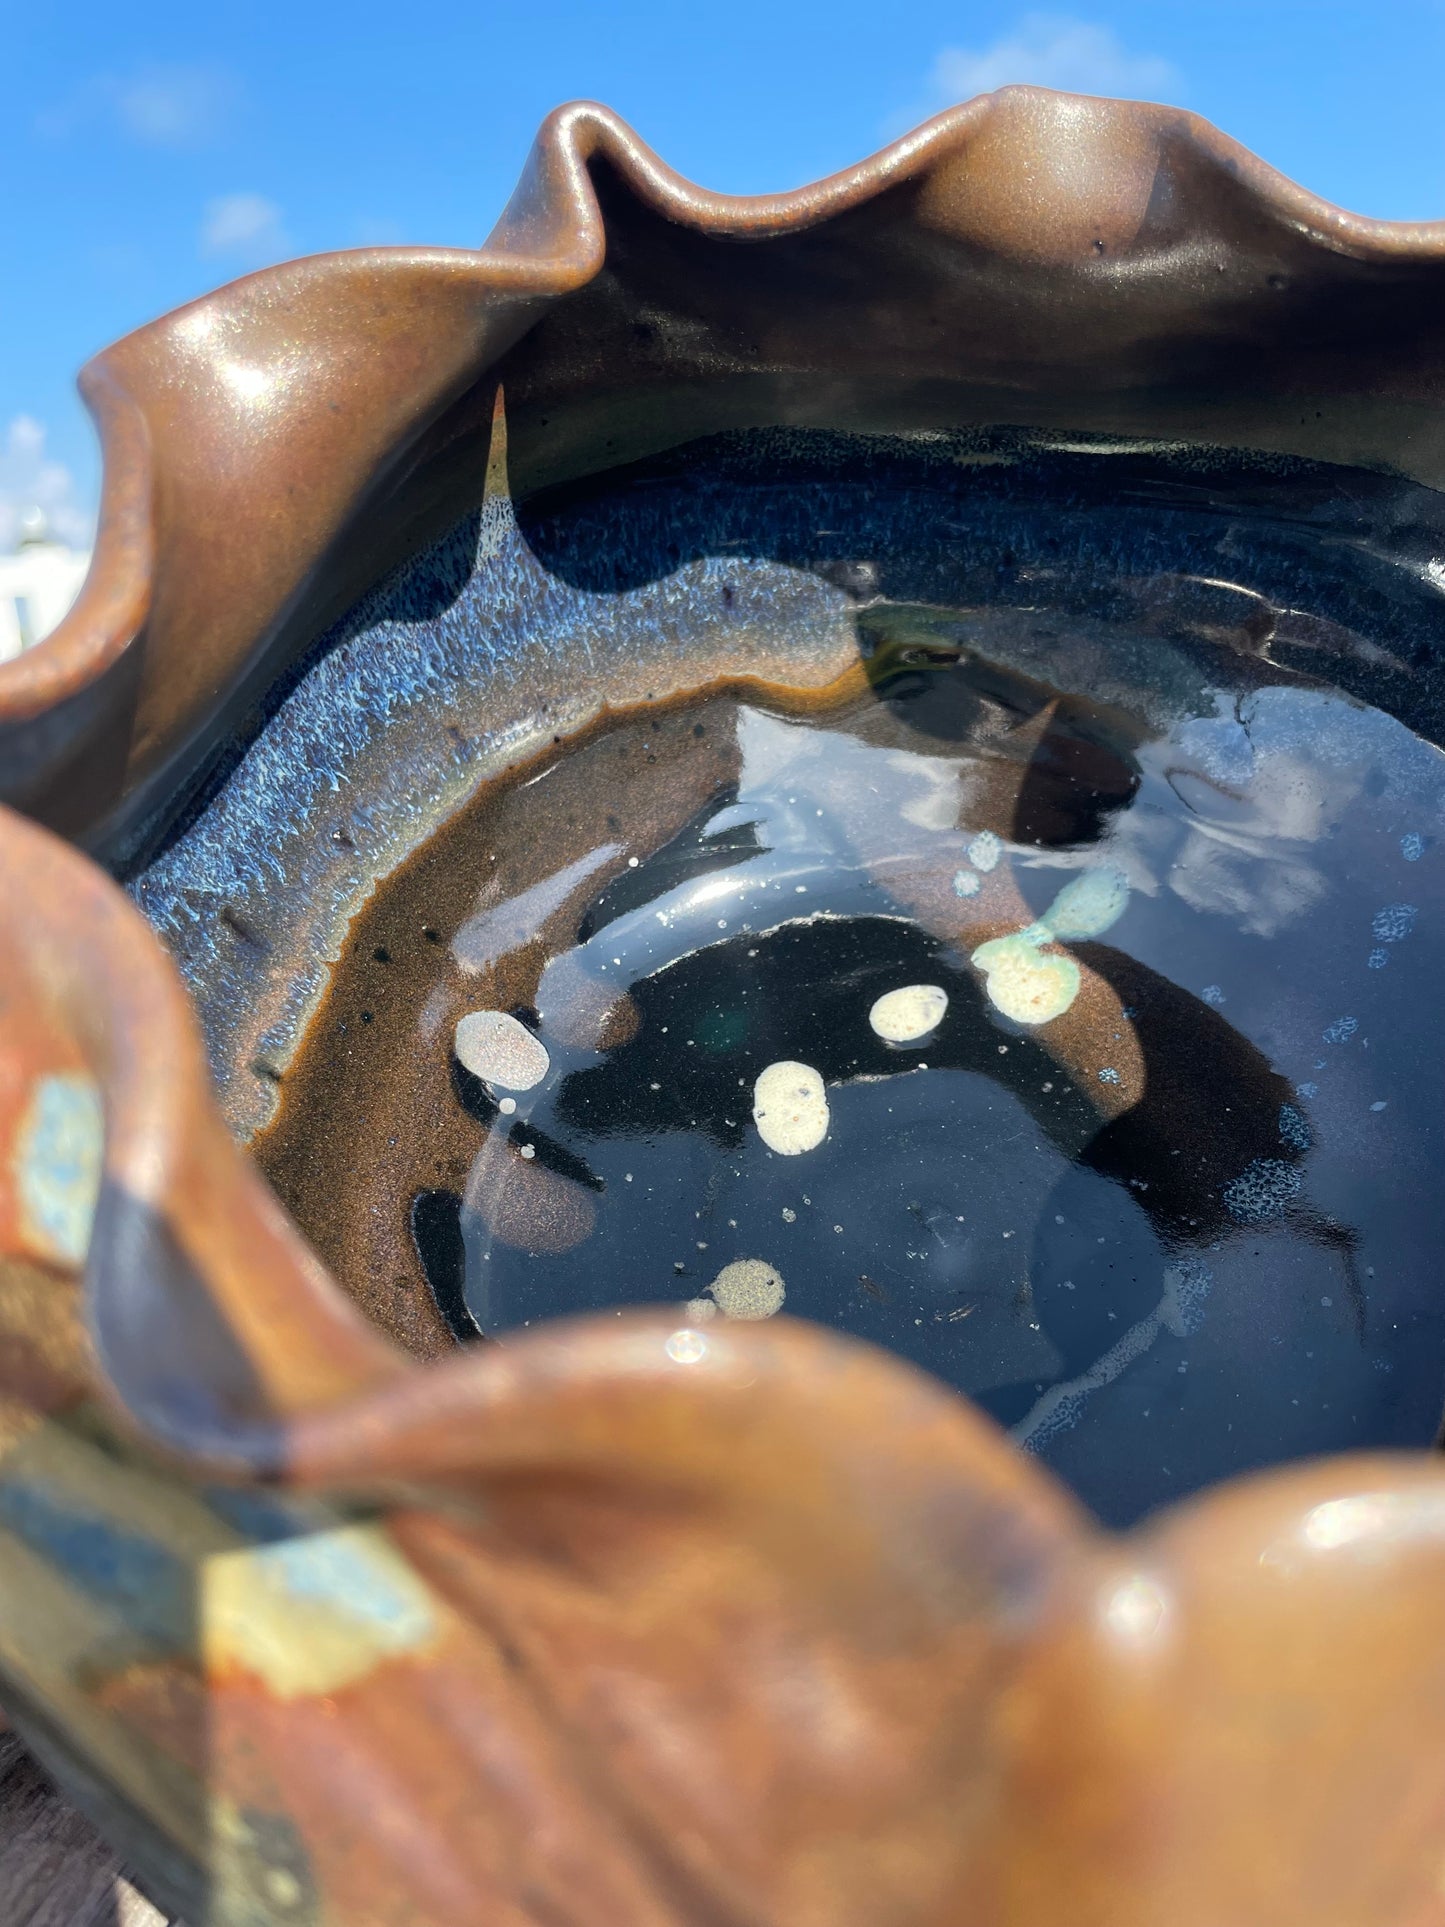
x,y
55,1870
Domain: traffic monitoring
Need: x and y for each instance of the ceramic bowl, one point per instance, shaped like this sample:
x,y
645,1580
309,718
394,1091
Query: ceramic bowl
x,y
325,1618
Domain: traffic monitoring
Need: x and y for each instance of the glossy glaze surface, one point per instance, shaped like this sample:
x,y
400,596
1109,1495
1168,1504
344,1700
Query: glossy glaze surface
x,y
1155,1190
627,1620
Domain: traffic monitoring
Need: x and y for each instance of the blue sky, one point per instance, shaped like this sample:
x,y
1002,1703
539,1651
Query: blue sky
x,y
153,150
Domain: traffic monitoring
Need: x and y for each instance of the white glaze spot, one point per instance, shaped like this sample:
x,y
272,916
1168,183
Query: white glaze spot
x,y
748,1288
790,1108
497,1048
902,1016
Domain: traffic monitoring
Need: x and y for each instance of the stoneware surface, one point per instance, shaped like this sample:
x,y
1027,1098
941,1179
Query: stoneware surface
x,y
618,1622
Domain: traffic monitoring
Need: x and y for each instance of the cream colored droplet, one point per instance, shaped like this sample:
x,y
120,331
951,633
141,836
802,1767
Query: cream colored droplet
x,y
902,1016
497,1048
790,1108
699,1310
748,1288
1030,985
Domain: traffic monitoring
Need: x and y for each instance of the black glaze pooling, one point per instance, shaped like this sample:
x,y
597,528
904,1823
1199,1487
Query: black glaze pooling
x,y
1157,663
1100,567
1300,569
1229,1272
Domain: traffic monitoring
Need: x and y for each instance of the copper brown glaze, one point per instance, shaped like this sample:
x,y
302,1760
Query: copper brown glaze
x,y
1031,257
615,1623
777,1632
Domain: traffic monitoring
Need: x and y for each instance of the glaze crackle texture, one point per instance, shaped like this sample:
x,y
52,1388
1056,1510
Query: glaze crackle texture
x,y
1030,546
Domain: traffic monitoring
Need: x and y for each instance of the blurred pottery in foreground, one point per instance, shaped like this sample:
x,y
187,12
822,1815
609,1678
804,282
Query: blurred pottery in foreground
x,y
631,1618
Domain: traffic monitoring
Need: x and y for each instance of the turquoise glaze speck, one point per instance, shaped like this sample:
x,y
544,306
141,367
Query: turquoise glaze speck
x,y
57,1164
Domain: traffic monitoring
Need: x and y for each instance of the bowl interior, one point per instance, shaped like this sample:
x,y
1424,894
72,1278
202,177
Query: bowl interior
x,y
1125,750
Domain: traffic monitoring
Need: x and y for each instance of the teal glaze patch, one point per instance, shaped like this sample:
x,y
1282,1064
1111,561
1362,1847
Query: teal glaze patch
x,y
1033,985
311,1614
348,1570
57,1165
1089,905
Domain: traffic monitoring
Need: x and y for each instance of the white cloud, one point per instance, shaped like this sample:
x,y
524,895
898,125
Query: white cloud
x,y
379,234
1051,50
245,227
28,480
174,104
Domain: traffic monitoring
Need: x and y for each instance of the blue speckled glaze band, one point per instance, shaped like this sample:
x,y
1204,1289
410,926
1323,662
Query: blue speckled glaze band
x,y
458,666
757,555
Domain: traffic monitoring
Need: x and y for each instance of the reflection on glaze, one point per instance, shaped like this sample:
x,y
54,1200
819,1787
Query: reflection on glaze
x,y
1151,1176
1137,1611
686,1347
994,1132
496,929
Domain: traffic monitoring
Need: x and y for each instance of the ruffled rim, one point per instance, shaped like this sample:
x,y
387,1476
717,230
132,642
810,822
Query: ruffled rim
x,y
1048,186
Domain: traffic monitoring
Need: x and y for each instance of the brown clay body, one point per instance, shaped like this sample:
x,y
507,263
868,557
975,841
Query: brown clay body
x,y
623,1622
